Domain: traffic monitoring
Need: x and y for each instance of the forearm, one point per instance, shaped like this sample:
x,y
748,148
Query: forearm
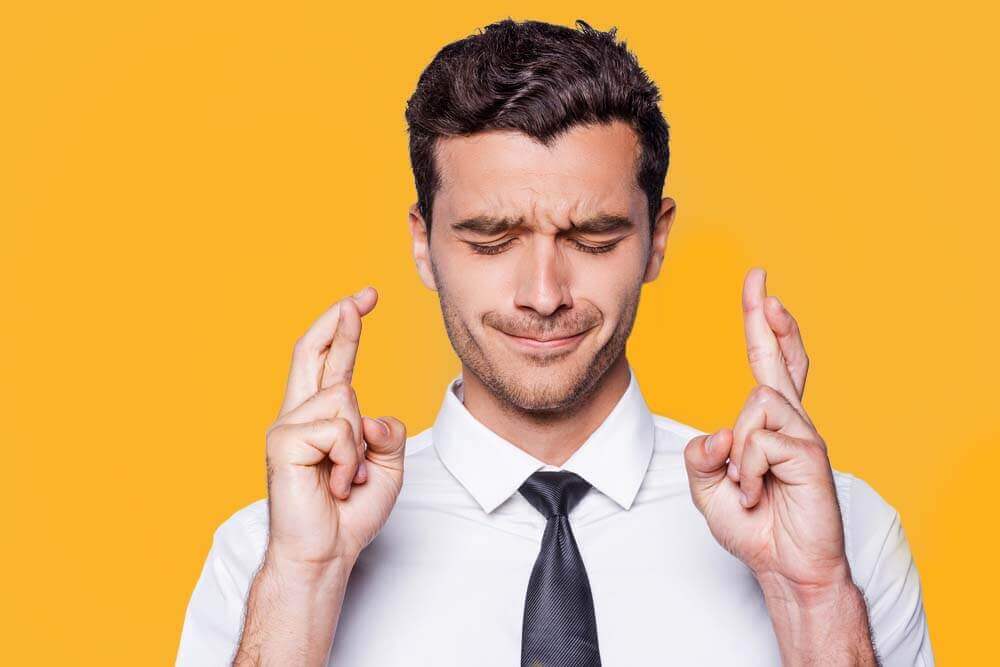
x,y
291,614
827,627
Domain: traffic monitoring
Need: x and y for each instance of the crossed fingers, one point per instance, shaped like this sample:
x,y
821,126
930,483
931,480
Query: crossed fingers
x,y
319,381
773,424
775,350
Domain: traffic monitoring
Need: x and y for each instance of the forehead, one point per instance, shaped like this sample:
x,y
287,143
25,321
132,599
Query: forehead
x,y
587,170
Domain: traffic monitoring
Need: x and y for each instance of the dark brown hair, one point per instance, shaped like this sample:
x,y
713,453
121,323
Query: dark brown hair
x,y
539,79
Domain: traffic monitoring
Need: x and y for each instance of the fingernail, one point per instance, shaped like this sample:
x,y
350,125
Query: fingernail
x,y
708,444
357,295
743,499
363,469
732,471
781,306
385,427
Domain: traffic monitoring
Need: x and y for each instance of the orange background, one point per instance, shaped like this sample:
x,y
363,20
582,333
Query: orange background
x,y
186,185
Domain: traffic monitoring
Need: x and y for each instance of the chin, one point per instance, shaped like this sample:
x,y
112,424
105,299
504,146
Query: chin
x,y
553,385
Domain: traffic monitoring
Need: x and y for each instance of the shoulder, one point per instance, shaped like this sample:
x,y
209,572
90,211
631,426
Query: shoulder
x,y
240,540
883,567
419,446
672,435
872,527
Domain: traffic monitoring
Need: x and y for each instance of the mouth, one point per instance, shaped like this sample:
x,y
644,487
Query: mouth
x,y
548,343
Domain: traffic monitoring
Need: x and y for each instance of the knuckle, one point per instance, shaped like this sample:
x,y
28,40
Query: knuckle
x,y
342,428
761,393
276,442
759,353
276,432
820,448
302,347
739,441
347,374
344,445
340,391
324,426
815,454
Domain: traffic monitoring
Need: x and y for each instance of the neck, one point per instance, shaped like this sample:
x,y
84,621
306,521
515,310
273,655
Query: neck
x,y
551,438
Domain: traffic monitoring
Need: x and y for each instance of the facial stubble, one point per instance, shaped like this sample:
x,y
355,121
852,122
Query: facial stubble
x,y
542,401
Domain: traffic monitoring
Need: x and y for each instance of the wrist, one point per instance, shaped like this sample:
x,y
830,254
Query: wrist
x,y
816,595
825,623
307,574
292,611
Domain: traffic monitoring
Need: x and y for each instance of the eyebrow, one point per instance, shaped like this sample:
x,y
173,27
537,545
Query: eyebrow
x,y
486,225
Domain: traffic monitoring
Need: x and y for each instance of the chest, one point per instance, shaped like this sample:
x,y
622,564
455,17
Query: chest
x,y
451,590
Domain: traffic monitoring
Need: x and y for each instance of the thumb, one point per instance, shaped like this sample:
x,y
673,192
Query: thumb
x,y
705,459
386,438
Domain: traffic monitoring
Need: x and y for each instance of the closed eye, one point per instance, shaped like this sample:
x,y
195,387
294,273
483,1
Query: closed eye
x,y
497,248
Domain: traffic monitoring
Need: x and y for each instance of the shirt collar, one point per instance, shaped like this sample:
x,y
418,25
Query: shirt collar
x,y
613,459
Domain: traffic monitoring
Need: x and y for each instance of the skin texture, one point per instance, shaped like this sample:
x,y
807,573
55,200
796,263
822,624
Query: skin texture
x,y
542,283
334,475
766,489
317,449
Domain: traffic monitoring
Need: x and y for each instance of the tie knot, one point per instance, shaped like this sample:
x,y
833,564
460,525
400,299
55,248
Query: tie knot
x,y
554,492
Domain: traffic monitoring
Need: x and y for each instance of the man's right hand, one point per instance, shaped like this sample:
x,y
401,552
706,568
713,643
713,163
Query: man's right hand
x,y
316,450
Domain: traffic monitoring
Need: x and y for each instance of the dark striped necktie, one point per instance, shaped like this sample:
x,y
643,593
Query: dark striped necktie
x,y
560,629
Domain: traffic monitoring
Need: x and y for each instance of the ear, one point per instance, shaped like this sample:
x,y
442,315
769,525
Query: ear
x,y
421,247
658,242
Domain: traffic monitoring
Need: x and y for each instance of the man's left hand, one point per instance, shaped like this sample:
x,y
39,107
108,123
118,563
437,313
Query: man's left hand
x,y
766,486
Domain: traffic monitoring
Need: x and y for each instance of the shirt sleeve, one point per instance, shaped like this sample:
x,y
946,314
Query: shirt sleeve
x,y
213,621
884,568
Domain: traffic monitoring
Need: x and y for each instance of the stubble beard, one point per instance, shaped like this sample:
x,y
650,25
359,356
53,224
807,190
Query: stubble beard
x,y
543,400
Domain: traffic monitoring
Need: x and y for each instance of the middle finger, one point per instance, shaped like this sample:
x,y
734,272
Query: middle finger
x,y
766,361
786,330
338,366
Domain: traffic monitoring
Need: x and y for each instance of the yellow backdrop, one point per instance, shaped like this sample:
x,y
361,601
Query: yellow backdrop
x,y
186,185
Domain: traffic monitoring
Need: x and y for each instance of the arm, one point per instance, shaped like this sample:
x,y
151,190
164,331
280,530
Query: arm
x,y
215,609
885,575
813,627
884,568
292,613
767,490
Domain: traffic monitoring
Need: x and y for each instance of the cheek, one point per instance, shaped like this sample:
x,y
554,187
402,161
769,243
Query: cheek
x,y
610,289
472,288
475,279
608,280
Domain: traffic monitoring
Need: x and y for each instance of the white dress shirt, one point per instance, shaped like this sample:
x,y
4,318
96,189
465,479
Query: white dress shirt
x,y
445,580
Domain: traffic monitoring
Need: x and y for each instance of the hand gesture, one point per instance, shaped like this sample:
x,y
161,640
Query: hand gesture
x,y
316,449
766,486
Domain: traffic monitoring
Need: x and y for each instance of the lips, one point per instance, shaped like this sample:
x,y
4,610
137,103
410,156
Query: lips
x,y
562,343
546,339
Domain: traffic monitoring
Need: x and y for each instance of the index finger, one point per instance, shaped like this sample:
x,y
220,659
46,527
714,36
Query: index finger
x,y
766,361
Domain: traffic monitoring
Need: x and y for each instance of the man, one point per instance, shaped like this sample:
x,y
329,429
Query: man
x,y
548,517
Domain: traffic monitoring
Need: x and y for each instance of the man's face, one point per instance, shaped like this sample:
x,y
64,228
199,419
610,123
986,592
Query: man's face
x,y
538,256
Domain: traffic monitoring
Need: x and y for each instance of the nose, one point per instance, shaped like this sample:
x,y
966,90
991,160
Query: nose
x,y
543,278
